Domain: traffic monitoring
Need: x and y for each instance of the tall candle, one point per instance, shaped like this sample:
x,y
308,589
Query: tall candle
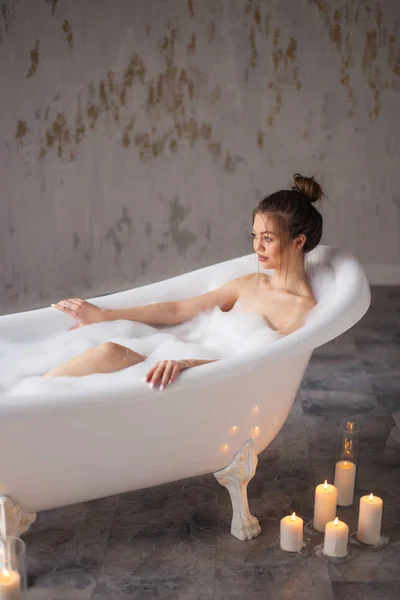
x,y
291,537
3,521
370,519
336,538
325,505
10,585
345,476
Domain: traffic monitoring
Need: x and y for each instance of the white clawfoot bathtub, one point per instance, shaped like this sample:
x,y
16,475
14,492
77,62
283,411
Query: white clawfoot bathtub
x,y
216,418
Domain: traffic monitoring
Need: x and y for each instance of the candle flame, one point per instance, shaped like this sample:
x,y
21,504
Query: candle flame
x,y
294,516
345,462
348,446
326,484
6,573
255,409
371,497
235,429
336,521
351,426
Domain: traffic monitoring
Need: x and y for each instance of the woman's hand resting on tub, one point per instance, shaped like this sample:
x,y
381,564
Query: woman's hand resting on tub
x,y
166,371
84,312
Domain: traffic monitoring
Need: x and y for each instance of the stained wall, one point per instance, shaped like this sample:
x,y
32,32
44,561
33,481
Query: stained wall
x,y
137,136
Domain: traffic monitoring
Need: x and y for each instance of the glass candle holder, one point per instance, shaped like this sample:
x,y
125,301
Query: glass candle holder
x,y
348,437
12,569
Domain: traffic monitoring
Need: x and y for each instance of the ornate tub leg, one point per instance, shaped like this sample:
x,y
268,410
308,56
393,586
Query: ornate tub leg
x,y
16,520
235,477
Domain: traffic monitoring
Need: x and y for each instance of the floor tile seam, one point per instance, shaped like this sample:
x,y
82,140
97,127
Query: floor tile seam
x,y
105,548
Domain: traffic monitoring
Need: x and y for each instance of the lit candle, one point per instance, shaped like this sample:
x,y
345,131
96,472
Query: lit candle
x,y
345,476
325,505
291,533
370,519
10,585
336,538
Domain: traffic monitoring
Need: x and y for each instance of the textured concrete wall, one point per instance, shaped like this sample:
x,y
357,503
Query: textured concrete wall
x,y
137,136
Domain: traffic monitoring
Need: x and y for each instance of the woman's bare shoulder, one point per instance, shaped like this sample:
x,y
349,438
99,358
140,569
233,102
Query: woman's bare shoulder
x,y
245,282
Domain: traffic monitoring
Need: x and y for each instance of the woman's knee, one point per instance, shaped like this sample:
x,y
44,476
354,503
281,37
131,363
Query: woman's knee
x,y
114,350
111,349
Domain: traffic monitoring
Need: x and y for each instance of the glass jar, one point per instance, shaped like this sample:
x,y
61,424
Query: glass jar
x,y
348,437
12,569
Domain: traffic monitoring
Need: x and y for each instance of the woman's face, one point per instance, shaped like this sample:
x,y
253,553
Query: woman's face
x,y
267,241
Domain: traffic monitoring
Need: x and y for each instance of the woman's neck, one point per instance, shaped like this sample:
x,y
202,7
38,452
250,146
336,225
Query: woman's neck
x,y
292,279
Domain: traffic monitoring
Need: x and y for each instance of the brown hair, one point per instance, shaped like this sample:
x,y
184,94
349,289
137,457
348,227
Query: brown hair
x,y
294,210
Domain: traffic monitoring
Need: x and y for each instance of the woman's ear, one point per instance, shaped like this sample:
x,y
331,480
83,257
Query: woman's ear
x,y
300,241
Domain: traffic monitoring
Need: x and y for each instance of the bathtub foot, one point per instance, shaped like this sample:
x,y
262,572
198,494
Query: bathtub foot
x,y
236,477
16,520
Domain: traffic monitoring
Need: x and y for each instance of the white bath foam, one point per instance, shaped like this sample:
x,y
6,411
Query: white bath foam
x,y
211,335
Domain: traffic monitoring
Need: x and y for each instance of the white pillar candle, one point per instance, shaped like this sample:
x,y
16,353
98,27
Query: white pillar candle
x,y
10,585
291,533
325,505
345,476
3,521
370,519
336,538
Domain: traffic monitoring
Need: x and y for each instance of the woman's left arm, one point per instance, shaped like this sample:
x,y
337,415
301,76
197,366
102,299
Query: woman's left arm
x,y
166,371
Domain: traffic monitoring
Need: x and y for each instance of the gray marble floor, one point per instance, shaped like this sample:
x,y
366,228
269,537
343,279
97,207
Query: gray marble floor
x,y
172,542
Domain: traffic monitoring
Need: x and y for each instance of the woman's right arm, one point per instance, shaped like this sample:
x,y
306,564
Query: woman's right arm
x,y
161,313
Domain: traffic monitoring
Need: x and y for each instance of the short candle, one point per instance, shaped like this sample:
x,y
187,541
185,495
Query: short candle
x,y
345,476
336,538
10,585
370,519
291,534
325,505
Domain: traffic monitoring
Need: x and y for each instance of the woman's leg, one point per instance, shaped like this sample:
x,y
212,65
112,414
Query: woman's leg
x,y
105,358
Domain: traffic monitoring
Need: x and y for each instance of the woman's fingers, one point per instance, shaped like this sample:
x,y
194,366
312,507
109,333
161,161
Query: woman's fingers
x,y
157,374
63,307
150,373
175,371
163,373
72,304
166,376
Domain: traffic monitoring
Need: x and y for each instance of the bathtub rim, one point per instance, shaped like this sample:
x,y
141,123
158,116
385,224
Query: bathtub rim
x,y
349,307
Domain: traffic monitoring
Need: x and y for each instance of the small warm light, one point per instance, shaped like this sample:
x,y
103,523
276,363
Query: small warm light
x,y
255,410
371,497
234,429
325,484
255,432
345,463
225,448
294,516
6,573
348,446
336,521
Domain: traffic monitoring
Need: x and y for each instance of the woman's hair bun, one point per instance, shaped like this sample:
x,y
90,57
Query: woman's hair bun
x,y
308,187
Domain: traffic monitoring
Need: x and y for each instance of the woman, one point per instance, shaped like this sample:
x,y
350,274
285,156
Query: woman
x,y
285,227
